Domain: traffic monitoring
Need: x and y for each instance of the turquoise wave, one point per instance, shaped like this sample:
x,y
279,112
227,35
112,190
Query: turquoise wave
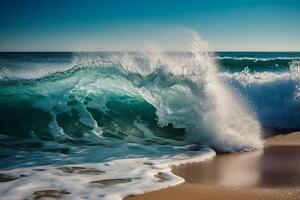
x,y
60,107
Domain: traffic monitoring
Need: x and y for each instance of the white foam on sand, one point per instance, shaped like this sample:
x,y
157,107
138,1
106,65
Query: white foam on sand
x,y
114,179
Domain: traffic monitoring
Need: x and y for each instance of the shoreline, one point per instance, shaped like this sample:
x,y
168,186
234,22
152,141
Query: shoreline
x,y
273,173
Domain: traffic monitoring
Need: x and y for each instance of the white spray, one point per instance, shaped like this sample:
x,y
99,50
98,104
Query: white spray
x,y
187,92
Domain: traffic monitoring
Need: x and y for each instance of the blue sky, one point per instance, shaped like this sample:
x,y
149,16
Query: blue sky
x,y
57,25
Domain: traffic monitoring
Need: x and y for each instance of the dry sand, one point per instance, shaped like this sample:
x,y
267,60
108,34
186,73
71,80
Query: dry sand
x,y
273,173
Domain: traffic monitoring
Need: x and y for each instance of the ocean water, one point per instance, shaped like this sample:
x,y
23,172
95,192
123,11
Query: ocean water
x,y
103,125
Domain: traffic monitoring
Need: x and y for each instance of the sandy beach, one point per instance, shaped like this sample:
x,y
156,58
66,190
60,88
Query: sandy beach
x,y
273,173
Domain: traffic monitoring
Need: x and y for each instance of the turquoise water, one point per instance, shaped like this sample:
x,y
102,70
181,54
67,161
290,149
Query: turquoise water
x,y
57,104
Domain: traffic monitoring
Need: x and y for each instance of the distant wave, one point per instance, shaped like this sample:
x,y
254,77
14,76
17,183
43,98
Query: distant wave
x,y
275,95
256,58
236,64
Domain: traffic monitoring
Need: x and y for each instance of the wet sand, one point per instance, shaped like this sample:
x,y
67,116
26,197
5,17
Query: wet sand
x,y
273,173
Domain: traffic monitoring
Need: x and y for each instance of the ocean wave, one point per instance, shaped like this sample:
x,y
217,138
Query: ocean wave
x,y
184,91
257,58
255,64
147,70
273,95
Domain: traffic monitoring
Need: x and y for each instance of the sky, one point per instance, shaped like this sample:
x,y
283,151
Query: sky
x,y
120,25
